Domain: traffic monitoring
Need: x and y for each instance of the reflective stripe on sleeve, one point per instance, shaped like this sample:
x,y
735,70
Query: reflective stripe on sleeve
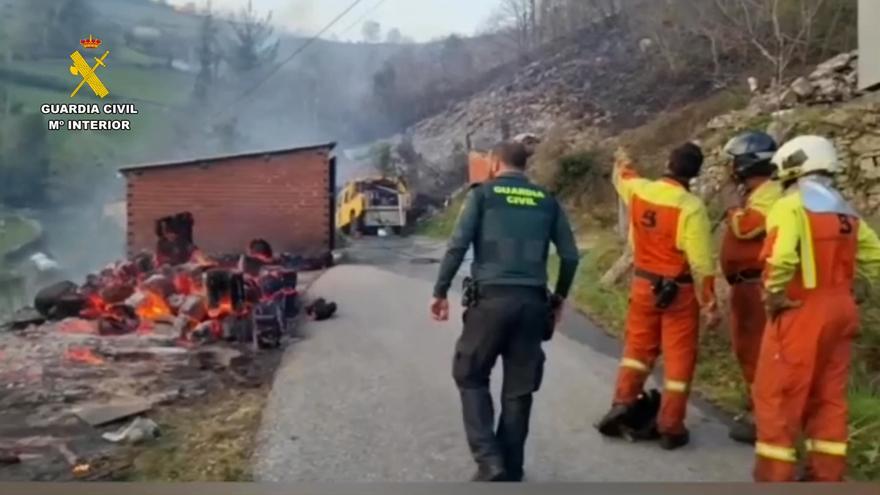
x,y
775,452
676,386
634,364
826,447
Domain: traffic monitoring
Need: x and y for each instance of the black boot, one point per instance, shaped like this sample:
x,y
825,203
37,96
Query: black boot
x,y
672,442
513,428
611,424
479,420
743,430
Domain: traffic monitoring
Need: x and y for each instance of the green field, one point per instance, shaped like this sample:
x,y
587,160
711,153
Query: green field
x,y
124,80
15,232
154,91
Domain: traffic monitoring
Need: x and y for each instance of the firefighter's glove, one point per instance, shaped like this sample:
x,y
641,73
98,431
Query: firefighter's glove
x,y
775,303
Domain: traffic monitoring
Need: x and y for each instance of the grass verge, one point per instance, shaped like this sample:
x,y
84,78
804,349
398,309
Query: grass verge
x,y
440,226
206,441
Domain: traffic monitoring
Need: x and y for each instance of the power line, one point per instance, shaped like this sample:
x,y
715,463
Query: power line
x,y
363,17
293,55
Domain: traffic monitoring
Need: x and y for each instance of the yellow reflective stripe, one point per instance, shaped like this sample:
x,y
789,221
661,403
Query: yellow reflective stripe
x,y
634,364
784,225
826,447
784,454
808,258
868,256
676,386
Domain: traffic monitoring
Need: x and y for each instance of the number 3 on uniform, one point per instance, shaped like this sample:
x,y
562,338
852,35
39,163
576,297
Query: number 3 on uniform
x,y
846,226
649,219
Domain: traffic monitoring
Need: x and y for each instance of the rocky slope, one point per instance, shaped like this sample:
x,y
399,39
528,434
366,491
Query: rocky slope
x,y
600,79
827,103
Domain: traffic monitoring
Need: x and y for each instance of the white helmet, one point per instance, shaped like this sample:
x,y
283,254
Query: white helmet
x,y
804,155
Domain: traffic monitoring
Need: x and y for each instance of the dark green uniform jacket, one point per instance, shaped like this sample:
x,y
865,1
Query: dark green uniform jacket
x,y
511,223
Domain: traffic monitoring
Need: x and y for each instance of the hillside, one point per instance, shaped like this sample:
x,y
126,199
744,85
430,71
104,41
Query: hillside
x,y
599,80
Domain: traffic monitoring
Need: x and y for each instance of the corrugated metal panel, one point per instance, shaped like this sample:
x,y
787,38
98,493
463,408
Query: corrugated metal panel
x,y
869,43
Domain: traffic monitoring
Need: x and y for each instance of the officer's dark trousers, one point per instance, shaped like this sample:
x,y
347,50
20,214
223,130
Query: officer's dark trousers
x,y
509,322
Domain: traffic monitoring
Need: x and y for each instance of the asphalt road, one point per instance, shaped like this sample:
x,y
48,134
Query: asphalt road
x,y
368,396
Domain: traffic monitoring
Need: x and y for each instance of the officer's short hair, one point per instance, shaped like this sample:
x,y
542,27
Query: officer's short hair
x,y
686,161
512,154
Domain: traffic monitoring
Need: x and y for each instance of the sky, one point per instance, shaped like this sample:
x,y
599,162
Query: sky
x,y
421,20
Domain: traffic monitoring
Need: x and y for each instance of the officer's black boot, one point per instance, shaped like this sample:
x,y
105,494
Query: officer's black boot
x,y
479,421
513,428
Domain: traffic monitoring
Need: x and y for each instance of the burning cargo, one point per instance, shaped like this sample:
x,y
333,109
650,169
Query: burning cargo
x,y
247,297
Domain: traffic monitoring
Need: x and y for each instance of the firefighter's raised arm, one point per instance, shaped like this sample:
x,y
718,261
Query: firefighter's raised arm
x,y
624,176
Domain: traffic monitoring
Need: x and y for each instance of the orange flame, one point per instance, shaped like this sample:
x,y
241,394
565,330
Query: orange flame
x,y
153,307
83,355
222,309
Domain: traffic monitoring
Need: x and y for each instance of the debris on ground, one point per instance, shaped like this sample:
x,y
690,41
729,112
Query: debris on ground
x,y
102,414
321,310
140,337
140,430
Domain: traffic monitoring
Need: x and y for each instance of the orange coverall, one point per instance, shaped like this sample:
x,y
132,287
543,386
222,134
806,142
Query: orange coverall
x,y
742,266
803,369
670,237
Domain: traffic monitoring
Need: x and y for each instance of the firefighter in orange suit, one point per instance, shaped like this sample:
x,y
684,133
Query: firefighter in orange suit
x,y
750,154
674,271
816,245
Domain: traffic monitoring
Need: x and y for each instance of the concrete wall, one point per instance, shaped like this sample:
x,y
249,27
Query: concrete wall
x,y
283,198
869,43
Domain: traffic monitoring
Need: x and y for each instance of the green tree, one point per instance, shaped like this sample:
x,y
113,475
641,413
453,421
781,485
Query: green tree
x,y
254,44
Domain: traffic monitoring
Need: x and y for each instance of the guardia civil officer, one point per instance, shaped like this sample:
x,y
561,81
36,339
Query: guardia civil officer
x,y
510,223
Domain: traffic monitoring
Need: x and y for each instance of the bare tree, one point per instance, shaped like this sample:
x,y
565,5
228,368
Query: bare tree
x,y
779,30
394,36
372,31
517,19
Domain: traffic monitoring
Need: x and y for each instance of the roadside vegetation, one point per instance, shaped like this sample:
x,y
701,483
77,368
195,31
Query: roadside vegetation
x,y
440,226
211,441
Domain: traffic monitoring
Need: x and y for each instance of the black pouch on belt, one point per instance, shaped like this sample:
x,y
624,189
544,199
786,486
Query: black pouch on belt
x,y
468,293
665,292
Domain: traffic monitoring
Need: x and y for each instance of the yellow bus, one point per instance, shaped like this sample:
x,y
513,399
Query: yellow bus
x,y
366,206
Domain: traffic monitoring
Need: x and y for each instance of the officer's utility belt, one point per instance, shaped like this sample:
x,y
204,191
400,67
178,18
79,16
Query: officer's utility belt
x,y
473,292
665,288
745,277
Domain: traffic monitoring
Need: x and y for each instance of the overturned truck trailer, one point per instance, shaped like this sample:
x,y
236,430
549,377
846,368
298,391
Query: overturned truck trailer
x,y
282,196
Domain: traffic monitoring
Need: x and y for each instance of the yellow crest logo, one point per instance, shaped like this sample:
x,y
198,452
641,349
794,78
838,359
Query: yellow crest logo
x,y
87,72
